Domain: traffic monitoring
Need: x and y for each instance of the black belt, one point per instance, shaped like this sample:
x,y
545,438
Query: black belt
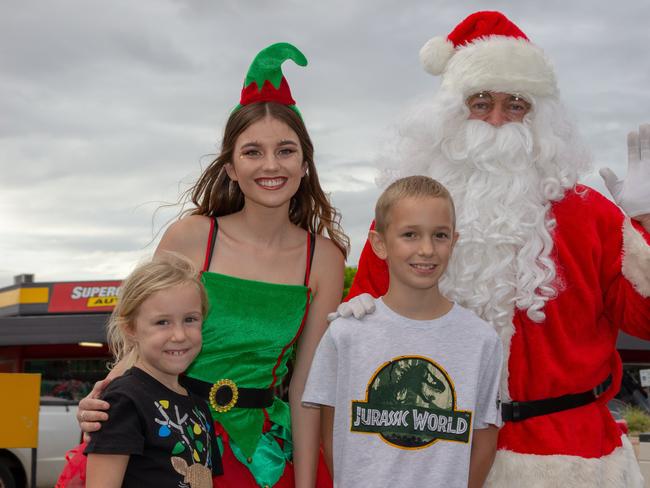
x,y
225,394
518,411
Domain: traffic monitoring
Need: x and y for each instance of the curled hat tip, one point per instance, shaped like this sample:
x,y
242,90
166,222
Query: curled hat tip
x,y
284,51
267,64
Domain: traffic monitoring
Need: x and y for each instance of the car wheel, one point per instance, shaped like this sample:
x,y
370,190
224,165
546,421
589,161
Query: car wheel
x,y
6,478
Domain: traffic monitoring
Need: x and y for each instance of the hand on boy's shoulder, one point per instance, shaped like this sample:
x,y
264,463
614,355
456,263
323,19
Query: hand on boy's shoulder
x,y
350,325
357,307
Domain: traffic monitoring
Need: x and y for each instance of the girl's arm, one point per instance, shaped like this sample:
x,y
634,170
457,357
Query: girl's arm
x,y
484,448
327,284
106,470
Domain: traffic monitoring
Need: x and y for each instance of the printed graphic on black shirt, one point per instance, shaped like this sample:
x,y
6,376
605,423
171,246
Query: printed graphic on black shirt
x,y
411,403
192,435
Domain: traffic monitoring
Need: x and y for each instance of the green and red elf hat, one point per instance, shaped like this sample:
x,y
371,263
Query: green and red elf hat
x,y
265,81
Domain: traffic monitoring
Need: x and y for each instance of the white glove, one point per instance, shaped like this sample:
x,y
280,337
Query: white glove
x,y
358,306
633,193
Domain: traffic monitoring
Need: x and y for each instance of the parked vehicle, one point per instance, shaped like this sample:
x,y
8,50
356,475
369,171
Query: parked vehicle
x,y
58,432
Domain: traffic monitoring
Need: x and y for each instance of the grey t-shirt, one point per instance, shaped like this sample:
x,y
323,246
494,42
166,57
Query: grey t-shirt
x,y
407,395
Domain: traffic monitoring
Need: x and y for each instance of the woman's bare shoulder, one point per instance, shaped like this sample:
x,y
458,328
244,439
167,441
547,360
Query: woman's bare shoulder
x,y
187,236
327,256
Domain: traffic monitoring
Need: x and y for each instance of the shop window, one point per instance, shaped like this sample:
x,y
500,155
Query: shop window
x,y
67,378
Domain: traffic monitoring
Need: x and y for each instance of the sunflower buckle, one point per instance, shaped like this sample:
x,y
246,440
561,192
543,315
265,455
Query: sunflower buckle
x,y
223,395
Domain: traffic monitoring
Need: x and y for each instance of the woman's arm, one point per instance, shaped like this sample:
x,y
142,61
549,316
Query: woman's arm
x,y
327,425
188,237
92,409
484,448
106,470
327,283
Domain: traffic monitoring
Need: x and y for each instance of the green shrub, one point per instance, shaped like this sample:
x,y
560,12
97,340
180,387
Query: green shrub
x,y
350,271
637,420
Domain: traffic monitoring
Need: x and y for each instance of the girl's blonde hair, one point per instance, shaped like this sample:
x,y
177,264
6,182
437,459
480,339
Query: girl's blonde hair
x,y
161,273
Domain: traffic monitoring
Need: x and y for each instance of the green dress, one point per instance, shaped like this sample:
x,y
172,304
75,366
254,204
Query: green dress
x,y
248,337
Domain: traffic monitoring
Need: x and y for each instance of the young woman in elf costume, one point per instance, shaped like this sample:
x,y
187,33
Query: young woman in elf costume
x,y
271,278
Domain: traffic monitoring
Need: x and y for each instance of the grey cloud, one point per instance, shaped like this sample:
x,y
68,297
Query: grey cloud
x,y
109,108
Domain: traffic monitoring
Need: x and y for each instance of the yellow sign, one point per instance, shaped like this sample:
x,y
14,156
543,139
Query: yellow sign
x,y
101,302
24,295
19,409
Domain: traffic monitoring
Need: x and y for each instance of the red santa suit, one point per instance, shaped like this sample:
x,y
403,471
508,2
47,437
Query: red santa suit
x,y
603,266
602,261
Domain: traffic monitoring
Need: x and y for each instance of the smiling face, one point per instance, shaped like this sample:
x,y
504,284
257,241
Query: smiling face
x,y
167,332
417,241
267,163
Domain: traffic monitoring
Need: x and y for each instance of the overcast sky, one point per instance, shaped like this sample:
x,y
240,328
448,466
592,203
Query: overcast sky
x,y
108,110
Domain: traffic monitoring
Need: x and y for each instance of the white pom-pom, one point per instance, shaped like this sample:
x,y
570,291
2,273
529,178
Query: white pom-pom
x,y
435,54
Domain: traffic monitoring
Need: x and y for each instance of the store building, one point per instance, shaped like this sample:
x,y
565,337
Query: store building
x,y
58,330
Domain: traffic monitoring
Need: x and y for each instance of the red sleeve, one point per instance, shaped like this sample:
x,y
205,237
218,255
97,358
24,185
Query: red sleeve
x,y
628,298
372,274
624,253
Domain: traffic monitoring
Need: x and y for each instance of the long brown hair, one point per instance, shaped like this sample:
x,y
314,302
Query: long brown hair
x,y
215,194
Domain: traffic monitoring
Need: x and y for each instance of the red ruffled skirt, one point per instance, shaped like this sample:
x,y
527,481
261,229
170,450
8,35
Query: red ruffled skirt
x,y
236,475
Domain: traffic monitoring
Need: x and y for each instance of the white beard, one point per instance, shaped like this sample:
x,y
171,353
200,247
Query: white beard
x,y
503,181
502,258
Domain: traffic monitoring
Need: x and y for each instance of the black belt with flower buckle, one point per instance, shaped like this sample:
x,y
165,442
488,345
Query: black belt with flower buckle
x,y
224,394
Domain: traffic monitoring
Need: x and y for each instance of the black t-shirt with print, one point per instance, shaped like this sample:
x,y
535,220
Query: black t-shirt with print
x,y
169,437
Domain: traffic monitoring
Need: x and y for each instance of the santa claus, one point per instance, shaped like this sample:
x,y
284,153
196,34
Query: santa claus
x,y
553,265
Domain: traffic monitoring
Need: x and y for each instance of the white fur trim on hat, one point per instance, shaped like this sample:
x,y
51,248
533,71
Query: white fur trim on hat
x,y
500,64
435,54
619,469
636,259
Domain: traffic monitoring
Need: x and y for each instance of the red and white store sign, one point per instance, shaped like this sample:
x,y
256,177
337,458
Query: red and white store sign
x,y
85,296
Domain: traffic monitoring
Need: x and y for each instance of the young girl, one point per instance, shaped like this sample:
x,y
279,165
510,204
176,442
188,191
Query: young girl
x,y
271,278
158,434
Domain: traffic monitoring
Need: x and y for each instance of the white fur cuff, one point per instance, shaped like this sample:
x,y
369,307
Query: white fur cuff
x,y
636,259
616,470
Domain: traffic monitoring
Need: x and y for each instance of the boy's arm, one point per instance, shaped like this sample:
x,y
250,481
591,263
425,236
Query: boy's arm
x,y
106,470
327,423
484,448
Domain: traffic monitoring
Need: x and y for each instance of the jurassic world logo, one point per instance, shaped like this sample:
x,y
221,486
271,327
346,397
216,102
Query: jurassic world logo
x,y
411,403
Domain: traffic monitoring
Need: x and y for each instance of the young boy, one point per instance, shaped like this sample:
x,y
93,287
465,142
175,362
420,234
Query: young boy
x,y
409,393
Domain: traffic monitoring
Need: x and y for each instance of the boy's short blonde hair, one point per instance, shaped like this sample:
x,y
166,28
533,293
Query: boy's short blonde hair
x,y
161,273
411,186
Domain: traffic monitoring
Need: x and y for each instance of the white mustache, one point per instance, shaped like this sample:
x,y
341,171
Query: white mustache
x,y
505,149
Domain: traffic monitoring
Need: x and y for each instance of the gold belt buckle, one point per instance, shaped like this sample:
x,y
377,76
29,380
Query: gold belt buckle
x,y
224,386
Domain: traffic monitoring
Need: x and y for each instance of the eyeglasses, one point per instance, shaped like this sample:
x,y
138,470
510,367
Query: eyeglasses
x,y
514,106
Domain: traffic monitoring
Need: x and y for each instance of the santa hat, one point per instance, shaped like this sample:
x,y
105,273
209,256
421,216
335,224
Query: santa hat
x,y
265,82
486,51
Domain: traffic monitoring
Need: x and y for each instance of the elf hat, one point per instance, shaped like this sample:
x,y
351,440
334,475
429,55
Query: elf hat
x,y
486,51
265,81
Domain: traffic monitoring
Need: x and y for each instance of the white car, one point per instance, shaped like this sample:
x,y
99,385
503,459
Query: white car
x,y
58,432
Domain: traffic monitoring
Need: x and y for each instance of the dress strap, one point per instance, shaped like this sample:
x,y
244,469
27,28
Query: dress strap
x,y
212,237
311,245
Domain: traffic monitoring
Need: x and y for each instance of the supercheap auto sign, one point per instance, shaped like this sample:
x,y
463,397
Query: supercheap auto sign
x,y
95,296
